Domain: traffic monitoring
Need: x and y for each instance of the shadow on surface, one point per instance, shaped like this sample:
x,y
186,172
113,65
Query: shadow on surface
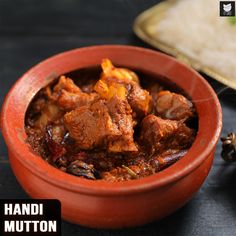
x,y
226,189
171,225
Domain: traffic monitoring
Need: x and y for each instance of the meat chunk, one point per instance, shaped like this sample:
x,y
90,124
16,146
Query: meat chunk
x,y
108,91
48,114
66,84
160,135
123,83
90,125
69,96
103,124
121,115
139,100
173,106
69,101
122,75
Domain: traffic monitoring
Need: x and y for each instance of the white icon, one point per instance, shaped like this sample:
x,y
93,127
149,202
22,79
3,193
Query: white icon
x,y
227,7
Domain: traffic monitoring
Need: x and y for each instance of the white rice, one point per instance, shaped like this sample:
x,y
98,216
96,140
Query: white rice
x,y
195,28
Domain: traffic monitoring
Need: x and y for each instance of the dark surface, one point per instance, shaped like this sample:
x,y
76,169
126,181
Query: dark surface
x,y
31,31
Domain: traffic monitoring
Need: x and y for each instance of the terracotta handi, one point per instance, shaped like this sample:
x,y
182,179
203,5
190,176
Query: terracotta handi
x,y
103,204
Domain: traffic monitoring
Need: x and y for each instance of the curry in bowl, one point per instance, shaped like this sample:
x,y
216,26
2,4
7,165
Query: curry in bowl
x,y
113,127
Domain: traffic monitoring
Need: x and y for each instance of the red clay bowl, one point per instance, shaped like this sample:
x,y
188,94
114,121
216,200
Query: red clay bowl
x,y
102,204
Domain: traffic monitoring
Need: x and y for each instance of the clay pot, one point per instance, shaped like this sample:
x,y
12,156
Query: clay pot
x,y
102,204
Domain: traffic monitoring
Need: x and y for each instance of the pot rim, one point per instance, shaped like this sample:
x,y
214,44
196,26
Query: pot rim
x,y
52,175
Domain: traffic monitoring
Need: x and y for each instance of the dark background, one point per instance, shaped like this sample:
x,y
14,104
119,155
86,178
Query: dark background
x,y
31,31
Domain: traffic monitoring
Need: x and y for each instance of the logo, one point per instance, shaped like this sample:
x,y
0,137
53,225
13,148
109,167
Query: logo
x,y
227,8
